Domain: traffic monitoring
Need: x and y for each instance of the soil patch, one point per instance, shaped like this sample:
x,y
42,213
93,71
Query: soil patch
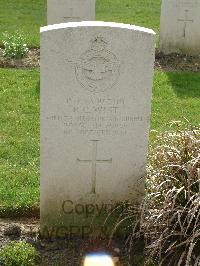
x,y
168,63
30,61
177,62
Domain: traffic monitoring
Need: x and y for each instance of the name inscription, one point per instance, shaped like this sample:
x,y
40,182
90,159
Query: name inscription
x,y
97,116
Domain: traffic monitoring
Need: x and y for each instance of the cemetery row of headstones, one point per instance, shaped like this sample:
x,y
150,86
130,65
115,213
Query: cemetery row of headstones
x,y
179,22
95,111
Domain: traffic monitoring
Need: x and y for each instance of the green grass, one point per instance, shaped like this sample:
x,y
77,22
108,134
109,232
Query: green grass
x,y
144,13
175,95
25,16
28,15
19,136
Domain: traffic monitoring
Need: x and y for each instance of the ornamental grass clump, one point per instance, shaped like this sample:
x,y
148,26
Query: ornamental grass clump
x,y
14,46
169,218
172,209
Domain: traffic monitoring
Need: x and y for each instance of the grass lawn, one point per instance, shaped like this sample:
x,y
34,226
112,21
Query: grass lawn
x,y
175,95
28,15
19,137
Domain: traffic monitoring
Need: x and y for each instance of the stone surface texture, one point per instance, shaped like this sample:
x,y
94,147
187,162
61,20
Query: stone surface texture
x,y
96,85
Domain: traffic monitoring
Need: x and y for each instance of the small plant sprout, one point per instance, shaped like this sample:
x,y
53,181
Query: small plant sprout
x,y
14,46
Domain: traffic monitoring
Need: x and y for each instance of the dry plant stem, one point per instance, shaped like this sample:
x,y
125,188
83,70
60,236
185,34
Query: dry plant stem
x,y
169,218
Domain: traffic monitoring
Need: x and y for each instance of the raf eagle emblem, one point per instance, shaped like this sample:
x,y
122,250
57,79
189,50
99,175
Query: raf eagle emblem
x,y
97,69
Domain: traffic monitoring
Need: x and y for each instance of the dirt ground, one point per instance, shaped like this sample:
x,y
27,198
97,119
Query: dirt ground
x,y
30,61
65,252
177,62
169,63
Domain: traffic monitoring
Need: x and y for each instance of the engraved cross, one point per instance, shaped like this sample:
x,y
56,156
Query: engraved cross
x,y
94,162
185,20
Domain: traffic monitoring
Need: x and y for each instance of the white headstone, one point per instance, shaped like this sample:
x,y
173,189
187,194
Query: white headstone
x,y
95,115
180,27
62,11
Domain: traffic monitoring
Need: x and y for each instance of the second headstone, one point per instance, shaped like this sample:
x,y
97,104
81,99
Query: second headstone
x,y
62,11
180,27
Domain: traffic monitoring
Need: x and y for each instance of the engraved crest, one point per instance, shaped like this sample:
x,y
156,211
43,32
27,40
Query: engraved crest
x,y
97,69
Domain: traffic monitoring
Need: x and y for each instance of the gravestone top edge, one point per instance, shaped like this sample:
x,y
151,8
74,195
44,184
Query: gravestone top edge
x,y
96,24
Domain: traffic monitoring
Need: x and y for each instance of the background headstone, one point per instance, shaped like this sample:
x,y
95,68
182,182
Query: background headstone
x,y
62,11
180,27
95,116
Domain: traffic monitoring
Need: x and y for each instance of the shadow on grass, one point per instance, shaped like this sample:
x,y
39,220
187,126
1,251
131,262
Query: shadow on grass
x,y
18,212
185,84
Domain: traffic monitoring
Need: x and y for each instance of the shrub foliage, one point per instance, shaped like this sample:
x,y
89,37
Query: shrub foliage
x,y
14,46
18,254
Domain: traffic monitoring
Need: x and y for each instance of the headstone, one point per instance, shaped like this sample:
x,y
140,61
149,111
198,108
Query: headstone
x,y
62,11
180,27
95,117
